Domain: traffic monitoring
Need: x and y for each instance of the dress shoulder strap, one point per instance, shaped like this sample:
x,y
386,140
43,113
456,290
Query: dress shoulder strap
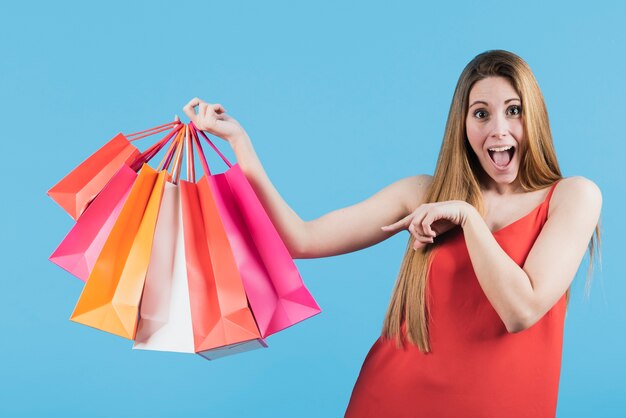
x,y
549,196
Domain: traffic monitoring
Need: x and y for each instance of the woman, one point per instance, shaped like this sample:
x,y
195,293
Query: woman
x,y
475,323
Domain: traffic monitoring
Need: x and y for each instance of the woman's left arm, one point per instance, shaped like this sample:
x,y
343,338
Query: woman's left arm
x,y
521,296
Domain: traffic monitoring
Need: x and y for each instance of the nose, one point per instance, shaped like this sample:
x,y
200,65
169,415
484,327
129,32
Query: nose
x,y
500,126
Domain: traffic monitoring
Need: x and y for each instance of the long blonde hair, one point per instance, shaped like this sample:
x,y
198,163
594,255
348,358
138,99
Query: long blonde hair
x,y
457,178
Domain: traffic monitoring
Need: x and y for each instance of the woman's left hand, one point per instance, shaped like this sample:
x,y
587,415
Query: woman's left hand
x,y
432,219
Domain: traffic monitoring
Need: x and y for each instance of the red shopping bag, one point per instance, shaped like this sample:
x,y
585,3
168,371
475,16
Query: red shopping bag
x,y
221,318
277,295
78,188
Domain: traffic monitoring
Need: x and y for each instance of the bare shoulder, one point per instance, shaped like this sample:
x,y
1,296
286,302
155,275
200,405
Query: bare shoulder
x,y
579,192
413,190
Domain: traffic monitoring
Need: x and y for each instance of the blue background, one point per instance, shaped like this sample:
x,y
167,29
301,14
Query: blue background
x,y
340,100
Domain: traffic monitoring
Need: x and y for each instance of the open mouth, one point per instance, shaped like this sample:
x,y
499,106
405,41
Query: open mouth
x,y
502,156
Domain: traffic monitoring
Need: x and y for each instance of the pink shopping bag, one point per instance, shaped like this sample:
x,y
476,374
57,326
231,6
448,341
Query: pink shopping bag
x,y
79,250
275,290
222,320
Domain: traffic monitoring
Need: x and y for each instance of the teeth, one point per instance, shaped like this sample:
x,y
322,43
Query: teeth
x,y
500,148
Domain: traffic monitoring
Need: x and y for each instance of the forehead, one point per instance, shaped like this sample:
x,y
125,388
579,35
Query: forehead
x,y
492,89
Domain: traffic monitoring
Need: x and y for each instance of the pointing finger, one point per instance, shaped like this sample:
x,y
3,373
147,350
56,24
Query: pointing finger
x,y
401,224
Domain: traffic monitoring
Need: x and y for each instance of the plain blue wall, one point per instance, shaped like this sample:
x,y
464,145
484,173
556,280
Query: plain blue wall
x,y
340,100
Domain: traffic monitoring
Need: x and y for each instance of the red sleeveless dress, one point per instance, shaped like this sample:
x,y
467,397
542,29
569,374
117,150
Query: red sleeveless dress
x,y
475,368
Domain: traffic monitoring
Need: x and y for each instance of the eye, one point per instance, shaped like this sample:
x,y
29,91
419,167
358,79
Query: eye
x,y
480,114
514,110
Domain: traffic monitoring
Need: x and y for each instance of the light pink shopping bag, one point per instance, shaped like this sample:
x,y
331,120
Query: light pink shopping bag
x,y
165,311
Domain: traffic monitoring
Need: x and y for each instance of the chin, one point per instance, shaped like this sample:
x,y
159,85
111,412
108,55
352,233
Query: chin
x,y
507,176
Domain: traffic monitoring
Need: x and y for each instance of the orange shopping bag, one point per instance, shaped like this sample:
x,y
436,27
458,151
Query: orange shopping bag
x,y
78,188
110,299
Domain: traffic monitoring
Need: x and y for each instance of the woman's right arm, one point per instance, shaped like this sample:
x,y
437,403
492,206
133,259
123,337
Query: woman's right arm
x,y
338,232
341,231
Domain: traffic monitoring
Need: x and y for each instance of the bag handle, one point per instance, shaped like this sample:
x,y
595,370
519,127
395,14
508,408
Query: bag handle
x,y
211,144
196,141
169,154
178,160
174,154
151,131
154,149
191,170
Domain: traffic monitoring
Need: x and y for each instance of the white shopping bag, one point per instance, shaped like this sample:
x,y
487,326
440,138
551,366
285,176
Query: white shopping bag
x,y
165,312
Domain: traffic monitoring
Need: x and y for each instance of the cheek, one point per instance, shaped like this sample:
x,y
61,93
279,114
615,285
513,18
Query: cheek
x,y
474,135
518,130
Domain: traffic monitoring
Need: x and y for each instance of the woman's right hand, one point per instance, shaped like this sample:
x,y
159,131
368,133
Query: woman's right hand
x,y
212,118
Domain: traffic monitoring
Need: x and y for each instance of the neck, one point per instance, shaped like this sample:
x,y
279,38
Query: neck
x,y
489,185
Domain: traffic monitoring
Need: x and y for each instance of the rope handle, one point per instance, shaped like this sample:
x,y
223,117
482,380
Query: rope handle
x,y
151,131
196,141
179,156
171,150
211,144
191,170
154,149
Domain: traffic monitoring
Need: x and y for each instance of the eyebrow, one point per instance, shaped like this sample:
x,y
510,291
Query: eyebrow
x,y
487,104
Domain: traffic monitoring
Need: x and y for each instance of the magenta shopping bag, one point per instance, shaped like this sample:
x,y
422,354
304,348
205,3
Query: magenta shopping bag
x,y
277,296
79,250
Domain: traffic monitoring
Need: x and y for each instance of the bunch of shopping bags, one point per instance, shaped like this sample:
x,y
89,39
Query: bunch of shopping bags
x,y
176,264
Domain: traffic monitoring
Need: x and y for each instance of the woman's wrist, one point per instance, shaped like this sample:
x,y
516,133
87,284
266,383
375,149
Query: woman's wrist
x,y
245,153
470,214
238,138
